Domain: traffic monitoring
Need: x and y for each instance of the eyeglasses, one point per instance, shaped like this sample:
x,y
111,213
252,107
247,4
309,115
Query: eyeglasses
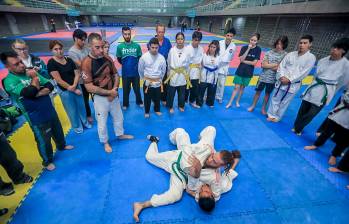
x,y
21,49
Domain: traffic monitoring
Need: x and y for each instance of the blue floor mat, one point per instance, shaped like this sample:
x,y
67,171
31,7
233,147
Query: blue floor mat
x,y
278,181
291,181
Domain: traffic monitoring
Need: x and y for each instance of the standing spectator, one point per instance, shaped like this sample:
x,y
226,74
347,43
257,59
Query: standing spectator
x,y
29,60
53,25
12,166
78,52
106,47
249,56
227,50
164,48
31,92
178,78
209,74
152,68
267,79
128,54
292,70
101,79
67,25
329,71
64,71
338,124
196,53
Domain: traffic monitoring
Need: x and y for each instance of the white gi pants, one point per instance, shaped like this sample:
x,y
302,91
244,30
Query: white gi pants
x,y
220,86
277,108
102,108
164,161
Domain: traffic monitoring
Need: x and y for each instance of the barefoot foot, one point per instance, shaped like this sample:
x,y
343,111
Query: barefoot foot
x,y
158,113
335,170
332,161
122,137
250,109
137,208
107,148
310,147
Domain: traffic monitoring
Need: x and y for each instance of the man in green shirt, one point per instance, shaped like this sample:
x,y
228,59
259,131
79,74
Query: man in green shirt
x,y
31,92
128,54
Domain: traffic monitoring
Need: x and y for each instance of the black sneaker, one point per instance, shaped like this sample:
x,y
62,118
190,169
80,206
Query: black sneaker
x,y
153,138
25,179
3,211
7,189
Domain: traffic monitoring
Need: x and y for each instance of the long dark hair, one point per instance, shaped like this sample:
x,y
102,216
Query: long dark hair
x,y
228,158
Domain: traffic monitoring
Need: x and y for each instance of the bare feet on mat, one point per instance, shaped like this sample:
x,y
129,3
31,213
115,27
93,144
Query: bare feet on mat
x,y
194,105
171,111
90,120
122,137
335,170
318,134
163,103
107,148
158,113
50,167
250,109
263,112
181,109
237,104
68,147
310,147
146,115
124,108
332,161
137,208
141,105
228,106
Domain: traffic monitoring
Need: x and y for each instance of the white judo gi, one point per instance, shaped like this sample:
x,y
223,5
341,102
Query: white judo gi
x,y
165,160
324,86
219,182
226,54
195,58
177,58
295,68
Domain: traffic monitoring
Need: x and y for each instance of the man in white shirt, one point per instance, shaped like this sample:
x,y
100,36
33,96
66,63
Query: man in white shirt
x,y
196,53
292,70
226,53
152,68
330,70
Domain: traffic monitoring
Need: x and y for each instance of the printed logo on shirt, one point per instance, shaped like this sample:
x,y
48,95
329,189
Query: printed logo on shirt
x,y
231,51
129,50
83,75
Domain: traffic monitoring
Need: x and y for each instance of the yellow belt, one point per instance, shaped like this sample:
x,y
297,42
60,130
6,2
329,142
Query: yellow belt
x,y
194,65
180,70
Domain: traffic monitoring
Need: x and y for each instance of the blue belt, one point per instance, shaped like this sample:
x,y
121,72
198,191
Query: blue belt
x,y
287,90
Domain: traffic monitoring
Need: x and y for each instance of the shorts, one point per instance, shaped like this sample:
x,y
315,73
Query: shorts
x,y
269,87
244,81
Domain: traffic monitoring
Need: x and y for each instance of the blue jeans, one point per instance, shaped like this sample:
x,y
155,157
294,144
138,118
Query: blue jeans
x,y
75,107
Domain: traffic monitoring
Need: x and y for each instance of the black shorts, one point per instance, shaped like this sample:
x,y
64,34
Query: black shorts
x,y
269,87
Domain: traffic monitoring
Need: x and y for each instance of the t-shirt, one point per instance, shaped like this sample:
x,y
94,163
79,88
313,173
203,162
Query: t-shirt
x,y
99,71
273,57
37,110
164,47
65,71
129,54
77,54
245,70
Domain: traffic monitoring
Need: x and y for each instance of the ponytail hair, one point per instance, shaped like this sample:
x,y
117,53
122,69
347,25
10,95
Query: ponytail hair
x,y
228,158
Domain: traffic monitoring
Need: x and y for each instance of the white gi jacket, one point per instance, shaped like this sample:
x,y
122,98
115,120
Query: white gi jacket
x,y
153,67
295,68
226,55
330,72
177,58
195,57
212,63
